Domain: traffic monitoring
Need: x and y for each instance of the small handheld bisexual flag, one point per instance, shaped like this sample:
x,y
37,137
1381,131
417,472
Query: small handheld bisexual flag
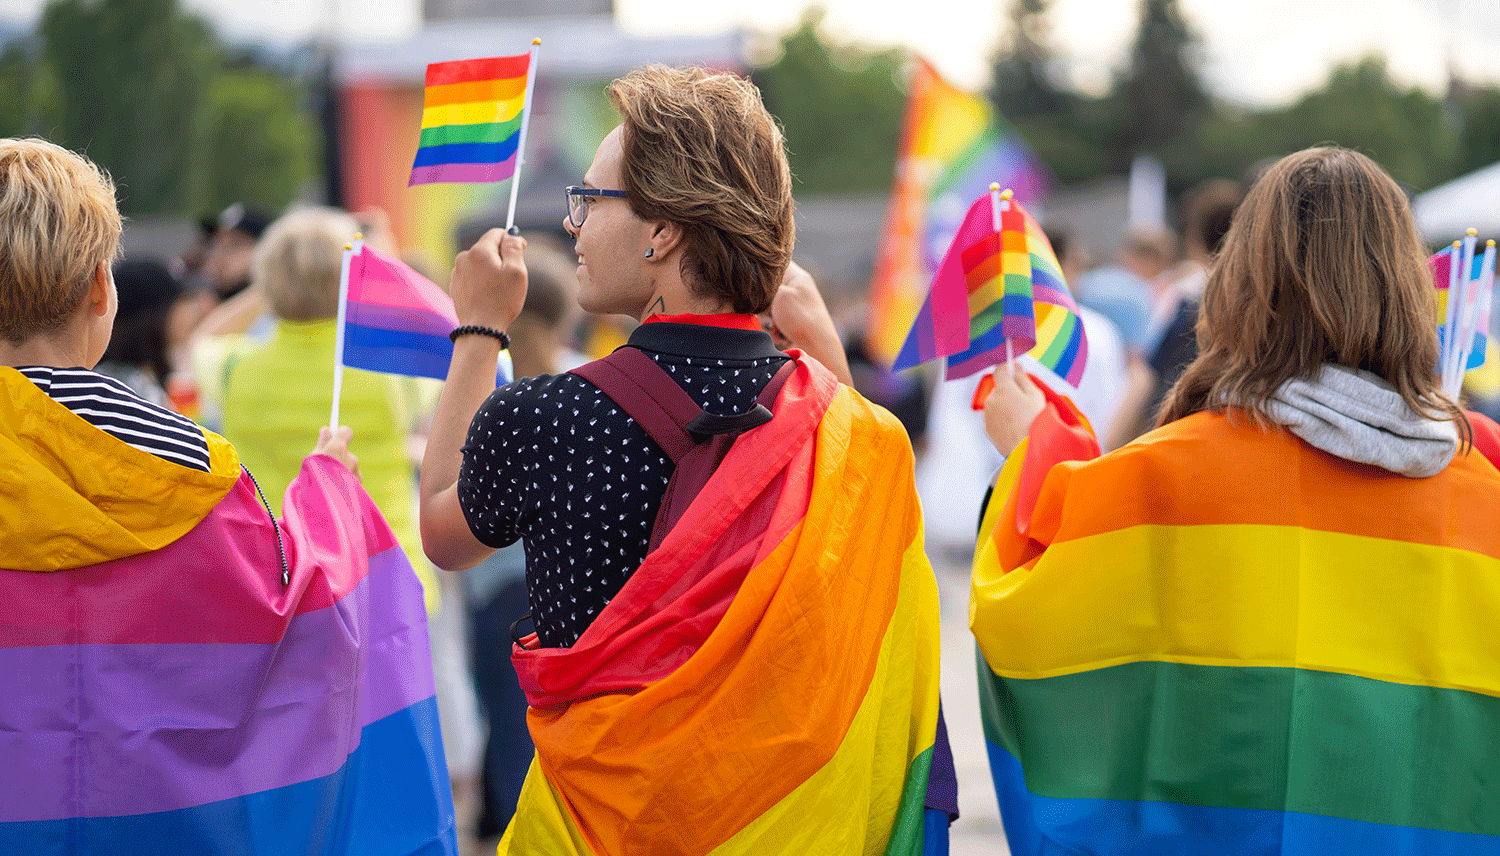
x,y
397,321
997,286
473,112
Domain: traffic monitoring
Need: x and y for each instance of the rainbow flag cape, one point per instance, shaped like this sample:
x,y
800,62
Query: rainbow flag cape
x,y
767,681
997,288
953,145
472,112
1224,641
396,320
168,692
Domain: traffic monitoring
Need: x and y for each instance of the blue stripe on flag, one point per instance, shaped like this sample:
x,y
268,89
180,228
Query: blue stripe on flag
x,y
391,798
467,152
397,352
1037,825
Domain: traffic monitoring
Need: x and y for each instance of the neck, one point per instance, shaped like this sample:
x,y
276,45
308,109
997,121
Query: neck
x,y
59,351
681,301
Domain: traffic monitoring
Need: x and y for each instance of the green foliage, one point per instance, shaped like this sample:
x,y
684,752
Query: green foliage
x,y
149,93
259,147
841,109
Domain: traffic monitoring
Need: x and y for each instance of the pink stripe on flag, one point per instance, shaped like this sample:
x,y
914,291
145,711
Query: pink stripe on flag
x,y
376,279
463,173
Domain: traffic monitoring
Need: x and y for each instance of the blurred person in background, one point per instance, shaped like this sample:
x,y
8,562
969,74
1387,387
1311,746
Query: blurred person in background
x,y
1104,381
172,683
1265,627
139,352
274,392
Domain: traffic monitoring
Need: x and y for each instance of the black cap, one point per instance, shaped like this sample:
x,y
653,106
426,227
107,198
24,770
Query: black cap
x,y
240,218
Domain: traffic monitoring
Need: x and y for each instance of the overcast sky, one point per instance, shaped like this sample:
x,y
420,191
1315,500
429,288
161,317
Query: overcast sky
x,y
1257,52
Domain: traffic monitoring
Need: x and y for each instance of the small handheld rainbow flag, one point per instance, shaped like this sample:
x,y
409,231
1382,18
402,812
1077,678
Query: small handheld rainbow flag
x,y
999,292
473,112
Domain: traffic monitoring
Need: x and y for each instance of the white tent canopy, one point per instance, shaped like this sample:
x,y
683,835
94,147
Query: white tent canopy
x,y
1468,202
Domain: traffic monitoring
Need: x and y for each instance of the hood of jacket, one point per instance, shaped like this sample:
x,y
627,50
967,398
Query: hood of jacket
x,y
1357,416
72,496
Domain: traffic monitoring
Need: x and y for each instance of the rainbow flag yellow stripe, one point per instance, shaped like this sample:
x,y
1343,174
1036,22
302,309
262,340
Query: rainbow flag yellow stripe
x,y
804,721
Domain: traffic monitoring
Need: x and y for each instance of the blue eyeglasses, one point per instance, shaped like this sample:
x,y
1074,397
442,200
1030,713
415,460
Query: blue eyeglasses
x,y
578,209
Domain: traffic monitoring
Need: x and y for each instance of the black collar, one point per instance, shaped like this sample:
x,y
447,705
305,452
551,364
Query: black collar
x,y
702,340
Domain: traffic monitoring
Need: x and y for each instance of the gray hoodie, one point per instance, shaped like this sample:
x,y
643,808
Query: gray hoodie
x,y
1357,416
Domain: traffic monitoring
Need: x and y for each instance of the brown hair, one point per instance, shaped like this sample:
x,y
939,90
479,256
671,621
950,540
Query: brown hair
x,y
1208,213
58,222
1322,264
701,151
298,261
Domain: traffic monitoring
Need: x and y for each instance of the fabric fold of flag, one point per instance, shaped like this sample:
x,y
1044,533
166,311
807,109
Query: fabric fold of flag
x,y
471,120
181,699
1220,640
766,681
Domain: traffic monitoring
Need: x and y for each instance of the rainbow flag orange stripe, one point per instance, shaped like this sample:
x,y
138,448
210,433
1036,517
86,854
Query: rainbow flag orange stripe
x,y
1220,640
471,120
767,680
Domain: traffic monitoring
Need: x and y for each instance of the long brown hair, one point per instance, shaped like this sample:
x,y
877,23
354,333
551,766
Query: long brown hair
x,y
1322,264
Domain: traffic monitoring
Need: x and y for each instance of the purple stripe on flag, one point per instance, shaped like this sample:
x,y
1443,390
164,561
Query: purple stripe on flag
x,y
159,727
380,317
463,173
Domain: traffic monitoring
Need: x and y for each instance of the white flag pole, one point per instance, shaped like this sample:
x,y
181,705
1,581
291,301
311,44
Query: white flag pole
x,y
515,177
1000,202
350,251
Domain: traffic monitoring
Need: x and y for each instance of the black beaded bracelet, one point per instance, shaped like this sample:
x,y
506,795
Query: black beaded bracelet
x,y
480,331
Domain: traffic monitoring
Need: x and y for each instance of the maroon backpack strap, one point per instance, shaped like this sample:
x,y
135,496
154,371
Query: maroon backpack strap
x,y
695,440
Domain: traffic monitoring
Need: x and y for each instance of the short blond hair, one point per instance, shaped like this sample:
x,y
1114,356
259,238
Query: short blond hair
x,y
701,151
58,223
298,259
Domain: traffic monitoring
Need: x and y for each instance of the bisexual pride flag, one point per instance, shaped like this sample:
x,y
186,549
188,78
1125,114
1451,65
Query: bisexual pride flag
x,y
473,113
396,320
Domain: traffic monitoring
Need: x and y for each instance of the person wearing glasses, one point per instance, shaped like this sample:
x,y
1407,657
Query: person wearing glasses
x,y
733,629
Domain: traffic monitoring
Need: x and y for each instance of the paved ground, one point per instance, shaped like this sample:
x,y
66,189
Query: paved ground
x,y
977,832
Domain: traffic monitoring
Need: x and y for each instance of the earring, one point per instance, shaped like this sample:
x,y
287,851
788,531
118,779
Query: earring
x,y
650,251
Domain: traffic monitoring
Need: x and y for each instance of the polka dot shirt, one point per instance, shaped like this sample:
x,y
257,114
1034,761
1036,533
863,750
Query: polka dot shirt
x,y
553,461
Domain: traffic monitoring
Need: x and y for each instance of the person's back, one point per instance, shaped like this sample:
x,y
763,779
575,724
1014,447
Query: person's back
x,y
187,673
1260,627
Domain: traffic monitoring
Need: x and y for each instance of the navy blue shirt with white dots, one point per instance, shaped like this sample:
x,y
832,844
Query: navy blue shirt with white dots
x,y
553,461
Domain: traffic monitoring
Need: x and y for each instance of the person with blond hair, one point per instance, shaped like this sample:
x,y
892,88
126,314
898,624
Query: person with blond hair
x,y
733,628
185,673
1262,627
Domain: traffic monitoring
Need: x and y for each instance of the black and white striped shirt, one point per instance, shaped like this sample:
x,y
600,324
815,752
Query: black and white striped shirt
x,y
114,408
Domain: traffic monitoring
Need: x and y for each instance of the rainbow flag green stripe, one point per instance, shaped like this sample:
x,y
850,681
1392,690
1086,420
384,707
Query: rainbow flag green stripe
x,y
1097,734
484,132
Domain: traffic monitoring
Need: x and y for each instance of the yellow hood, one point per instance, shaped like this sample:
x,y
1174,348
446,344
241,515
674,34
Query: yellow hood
x,y
73,496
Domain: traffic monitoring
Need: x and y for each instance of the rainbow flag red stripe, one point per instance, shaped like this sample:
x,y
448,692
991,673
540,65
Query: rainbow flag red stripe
x,y
471,120
725,702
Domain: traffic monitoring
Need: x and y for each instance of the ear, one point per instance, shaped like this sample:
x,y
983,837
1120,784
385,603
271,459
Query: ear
x,y
666,236
101,290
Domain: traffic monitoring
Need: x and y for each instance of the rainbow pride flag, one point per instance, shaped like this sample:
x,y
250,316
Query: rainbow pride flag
x,y
396,320
1223,641
767,681
167,692
472,112
953,145
992,289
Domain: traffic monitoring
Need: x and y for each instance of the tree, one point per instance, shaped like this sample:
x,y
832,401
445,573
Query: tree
x,y
1022,85
133,78
260,146
1159,102
841,109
